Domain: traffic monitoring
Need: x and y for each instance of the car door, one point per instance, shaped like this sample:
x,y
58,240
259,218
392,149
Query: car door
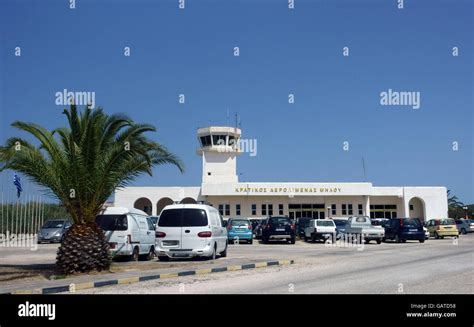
x,y
144,233
216,229
134,229
170,224
150,235
195,221
389,230
223,229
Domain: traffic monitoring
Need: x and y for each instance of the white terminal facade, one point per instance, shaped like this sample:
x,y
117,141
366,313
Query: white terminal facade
x,y
221,188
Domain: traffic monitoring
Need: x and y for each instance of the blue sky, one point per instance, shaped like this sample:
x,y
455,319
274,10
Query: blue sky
x,y
281,51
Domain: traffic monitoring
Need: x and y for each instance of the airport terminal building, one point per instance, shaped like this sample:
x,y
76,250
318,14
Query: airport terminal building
x,y
219,149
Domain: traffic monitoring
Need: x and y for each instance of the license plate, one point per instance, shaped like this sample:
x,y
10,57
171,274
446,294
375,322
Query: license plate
x,y
280,229
413,230
170,243
180,255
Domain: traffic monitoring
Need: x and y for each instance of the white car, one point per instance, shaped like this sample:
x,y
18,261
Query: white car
x,y
129,232
190,230
427,233
320,229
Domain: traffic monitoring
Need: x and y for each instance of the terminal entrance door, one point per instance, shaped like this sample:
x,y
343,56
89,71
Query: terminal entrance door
x,y
315,211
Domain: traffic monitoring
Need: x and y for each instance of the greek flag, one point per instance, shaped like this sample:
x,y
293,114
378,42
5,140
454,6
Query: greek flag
x,y
17,183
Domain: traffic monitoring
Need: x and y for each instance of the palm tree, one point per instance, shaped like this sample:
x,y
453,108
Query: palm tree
x,y
82,165
453,201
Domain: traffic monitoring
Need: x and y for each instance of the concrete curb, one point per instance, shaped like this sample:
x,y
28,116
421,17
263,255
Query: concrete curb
x,y
71,288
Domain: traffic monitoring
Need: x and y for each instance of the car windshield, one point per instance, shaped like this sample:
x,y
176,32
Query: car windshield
x,y
408,222
112,222
324,223
340,223
183,218
54,224
239,222
447,222
361,220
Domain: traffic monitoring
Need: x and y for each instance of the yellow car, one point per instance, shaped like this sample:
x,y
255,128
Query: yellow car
x,y
439,228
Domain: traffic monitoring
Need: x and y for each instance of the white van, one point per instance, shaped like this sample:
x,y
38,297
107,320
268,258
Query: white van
x,y
190,230
320,229
129,232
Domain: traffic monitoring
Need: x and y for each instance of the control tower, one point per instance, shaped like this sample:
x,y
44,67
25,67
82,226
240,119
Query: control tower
x,y
219,148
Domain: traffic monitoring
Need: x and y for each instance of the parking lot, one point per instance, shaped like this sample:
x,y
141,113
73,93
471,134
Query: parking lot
x,y
437,266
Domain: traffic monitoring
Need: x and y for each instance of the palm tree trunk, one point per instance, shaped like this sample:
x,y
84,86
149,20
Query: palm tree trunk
x,y
83,249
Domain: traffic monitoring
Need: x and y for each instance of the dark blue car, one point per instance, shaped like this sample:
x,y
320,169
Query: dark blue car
x,y
403,229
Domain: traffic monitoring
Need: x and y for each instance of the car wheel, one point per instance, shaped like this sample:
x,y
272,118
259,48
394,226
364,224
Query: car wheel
x,y
305,239
224,253
404,241
135,254
463,231
163,258
367,241
151,254
251,241
422,241
213,255
379,241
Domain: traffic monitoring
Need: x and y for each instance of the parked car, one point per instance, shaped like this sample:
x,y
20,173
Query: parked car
x,y
427,233
190,230
340,226
154,219
255,223
465,226
379,222
403,229
53,230
301,224
129,232
279,228
239,229
439,228
259,229
320,229
361,227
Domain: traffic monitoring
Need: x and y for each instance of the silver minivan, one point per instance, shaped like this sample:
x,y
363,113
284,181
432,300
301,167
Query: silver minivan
x,y
190,230
129,232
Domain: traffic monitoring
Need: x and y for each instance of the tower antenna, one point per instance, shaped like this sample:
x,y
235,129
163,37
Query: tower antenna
x,y
363,168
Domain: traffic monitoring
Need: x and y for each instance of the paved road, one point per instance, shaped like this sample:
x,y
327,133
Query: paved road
x,y
437,266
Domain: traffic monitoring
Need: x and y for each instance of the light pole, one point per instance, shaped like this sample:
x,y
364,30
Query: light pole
x,y
466,208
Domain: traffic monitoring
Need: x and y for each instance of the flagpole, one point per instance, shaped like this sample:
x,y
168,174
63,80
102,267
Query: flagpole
x,y
42,212
2,215
7,215
35,215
